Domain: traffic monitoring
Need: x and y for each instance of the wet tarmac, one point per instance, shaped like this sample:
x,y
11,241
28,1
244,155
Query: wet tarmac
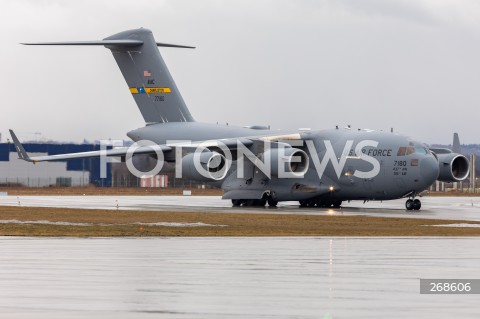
x,y
450,208
234,277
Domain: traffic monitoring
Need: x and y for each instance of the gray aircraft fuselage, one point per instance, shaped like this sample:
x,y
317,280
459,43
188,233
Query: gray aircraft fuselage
x,y
399,175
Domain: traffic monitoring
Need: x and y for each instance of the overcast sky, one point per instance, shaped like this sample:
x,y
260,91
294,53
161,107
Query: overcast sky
x,y
413,65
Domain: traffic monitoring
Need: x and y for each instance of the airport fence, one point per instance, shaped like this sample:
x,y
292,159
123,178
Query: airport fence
x,y
132,181
44,181
123,182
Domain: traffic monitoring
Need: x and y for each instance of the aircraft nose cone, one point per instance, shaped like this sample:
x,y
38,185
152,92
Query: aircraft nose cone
x,y
429,170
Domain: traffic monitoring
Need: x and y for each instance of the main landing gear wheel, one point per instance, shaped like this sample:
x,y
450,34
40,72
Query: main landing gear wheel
x,y
411,204
255,202
272,202
417,204
236,202
336,203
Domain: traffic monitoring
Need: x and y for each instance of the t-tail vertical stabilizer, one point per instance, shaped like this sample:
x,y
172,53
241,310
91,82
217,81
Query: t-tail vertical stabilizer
x,y
146,74
148,78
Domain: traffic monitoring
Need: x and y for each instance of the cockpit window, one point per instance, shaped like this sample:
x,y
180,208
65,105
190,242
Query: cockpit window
x,y
421,150
407,150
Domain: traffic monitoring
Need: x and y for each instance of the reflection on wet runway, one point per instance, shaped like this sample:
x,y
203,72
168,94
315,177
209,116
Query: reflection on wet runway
x,y
452,208
233,277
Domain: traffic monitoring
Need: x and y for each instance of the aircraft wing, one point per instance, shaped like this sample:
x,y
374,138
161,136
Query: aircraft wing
x,y
116,152
230,143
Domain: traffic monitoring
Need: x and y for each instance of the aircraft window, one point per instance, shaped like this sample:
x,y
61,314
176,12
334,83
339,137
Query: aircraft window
x,y
407,150
421,150
410,150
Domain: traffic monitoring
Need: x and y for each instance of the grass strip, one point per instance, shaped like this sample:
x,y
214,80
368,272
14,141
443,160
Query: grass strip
x,y
106,223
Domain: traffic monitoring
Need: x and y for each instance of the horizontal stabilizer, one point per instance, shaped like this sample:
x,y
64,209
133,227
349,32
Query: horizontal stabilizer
x,y
173,45
125,43
120,43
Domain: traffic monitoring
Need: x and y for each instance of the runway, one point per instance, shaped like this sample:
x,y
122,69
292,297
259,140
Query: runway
x,y
225,278
449,208
233,277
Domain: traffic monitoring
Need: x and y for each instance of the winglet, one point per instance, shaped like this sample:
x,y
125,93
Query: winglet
x,y
20,150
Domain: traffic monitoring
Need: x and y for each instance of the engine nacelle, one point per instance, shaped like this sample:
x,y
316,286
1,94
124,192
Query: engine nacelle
x,y
453,167
293,161
210,166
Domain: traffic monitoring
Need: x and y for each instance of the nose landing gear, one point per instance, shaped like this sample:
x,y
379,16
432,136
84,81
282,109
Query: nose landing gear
x,y
413,204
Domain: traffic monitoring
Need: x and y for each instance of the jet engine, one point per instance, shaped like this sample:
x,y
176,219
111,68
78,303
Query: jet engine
x,y
211,166
453,167
294,161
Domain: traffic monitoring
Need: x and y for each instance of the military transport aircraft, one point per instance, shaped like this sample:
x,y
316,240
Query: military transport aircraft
x,y
255,165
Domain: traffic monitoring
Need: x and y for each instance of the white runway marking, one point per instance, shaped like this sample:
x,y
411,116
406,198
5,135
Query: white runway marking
x,y
459,225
